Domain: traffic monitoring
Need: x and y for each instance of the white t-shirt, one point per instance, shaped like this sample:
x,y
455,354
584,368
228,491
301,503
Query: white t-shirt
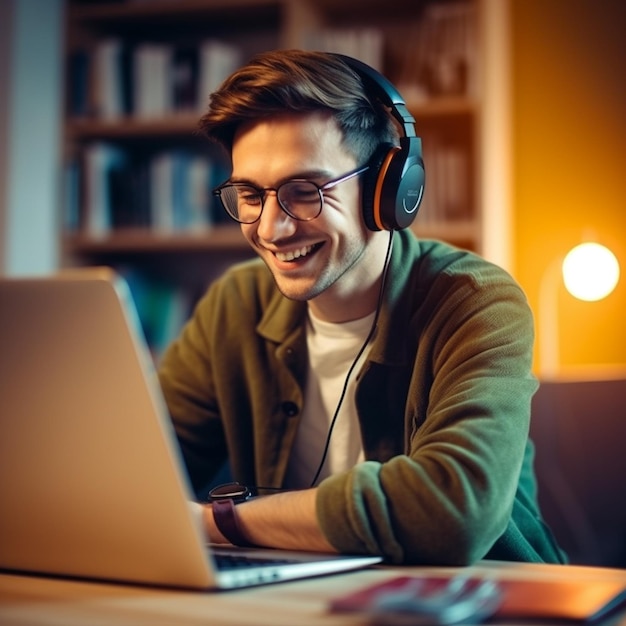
x,y
332,350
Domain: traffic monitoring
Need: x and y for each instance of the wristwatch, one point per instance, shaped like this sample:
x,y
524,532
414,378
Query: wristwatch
x,y
230,491
223,499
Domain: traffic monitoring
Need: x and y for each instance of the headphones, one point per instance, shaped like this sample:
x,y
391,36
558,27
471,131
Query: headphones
x,y
393,186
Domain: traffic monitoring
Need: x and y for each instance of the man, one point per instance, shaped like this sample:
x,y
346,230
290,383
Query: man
x,y
385,399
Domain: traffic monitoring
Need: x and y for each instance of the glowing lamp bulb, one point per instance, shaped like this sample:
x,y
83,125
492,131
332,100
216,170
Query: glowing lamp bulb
x,y
590,271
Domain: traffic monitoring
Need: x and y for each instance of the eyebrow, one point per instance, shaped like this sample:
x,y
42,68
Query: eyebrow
x,y
312,175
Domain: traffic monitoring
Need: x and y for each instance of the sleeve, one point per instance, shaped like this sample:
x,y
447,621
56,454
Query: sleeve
x,y
187,381
448,499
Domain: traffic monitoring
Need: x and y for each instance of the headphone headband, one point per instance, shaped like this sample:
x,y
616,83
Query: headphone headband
x,y
385,90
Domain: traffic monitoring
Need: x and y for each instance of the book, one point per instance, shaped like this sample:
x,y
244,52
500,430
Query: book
x,y
161,192
440,57
79,96
217,60
185,75
109,98
365,44
179,191
101,160
152,80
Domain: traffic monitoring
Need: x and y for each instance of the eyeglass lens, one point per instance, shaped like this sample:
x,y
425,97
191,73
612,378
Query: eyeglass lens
x,y
301,200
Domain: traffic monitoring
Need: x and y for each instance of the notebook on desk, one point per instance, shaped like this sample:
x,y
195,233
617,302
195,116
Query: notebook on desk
x,y
91,480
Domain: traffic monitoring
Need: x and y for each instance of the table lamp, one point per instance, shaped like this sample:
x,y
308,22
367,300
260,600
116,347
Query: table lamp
x,y
590,272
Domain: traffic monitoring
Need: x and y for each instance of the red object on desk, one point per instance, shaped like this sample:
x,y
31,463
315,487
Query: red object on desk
x,y
581,600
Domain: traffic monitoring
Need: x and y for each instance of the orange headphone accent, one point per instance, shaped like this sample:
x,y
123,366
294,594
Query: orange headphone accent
x,y
377,202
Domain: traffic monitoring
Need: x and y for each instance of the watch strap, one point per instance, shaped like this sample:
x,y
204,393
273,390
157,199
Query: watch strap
x,y
227,522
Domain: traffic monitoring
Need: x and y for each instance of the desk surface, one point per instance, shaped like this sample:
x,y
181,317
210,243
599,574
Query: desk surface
x,y
34,600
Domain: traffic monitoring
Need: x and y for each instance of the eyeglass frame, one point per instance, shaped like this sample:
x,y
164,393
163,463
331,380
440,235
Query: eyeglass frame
x,y
263,193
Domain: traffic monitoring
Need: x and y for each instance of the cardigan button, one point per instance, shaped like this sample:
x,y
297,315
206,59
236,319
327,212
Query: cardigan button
x,y
290,409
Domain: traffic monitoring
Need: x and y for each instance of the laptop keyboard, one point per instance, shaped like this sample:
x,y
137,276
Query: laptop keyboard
x,y
226,562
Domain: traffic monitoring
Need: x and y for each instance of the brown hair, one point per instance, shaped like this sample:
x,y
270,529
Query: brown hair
x,y
296,81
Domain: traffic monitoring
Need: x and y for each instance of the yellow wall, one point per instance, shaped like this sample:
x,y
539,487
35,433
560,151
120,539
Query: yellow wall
x,y
569,129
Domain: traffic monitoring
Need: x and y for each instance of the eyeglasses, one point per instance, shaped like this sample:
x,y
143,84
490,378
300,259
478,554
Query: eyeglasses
x,y
300,199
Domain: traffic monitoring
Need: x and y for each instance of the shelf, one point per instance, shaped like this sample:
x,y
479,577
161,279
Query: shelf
x,y
142,241
221,238
128,10
437,107
186,124
168,9
175,125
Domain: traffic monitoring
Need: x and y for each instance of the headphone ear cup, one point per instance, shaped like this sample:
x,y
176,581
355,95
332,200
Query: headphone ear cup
x,y
402,185
393,187
370,185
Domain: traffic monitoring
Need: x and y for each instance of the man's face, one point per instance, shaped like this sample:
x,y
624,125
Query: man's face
x,y
325,260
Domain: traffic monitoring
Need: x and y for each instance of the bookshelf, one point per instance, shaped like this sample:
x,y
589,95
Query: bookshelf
x,y
137,178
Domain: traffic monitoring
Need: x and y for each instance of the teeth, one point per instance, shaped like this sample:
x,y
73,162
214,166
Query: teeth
x,y
294,254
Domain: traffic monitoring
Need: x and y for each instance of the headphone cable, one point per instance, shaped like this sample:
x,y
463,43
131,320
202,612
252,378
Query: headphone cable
x,y
369,337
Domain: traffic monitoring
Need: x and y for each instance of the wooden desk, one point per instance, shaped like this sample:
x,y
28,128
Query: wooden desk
x,y
33,600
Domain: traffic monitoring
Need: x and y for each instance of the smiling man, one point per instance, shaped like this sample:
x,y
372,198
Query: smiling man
x,y
373,388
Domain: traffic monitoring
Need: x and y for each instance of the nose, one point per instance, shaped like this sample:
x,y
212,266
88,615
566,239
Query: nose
x,y
274,224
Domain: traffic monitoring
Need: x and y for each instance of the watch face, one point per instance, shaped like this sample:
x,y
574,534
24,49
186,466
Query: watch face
x,y
231,491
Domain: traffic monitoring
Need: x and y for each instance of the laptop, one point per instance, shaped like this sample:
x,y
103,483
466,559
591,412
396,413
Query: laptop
x,y
92,483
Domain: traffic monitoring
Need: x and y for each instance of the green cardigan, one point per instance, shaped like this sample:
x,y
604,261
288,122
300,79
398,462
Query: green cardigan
x,y
443,401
